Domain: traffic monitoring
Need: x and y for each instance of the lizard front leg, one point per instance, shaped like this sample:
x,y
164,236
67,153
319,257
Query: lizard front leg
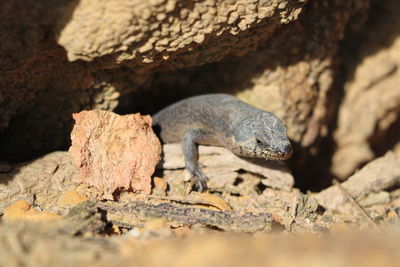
x,y
190,142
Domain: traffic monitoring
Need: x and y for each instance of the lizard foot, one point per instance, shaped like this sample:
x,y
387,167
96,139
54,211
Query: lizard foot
x,y
198,180
199,185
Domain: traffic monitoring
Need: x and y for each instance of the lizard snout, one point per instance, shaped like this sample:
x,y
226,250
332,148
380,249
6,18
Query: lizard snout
x,y
286,151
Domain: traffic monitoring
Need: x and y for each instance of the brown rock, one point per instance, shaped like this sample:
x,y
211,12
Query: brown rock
x,y
71,198
40,182
21,210
127,31
114,153
369,116
160,186
279,55
380,174
222,167
116,46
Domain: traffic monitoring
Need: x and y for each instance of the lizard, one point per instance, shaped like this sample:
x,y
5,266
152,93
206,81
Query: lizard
x,y
221,120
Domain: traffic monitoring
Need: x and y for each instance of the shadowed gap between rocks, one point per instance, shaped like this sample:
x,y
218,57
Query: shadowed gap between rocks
x,y
377,33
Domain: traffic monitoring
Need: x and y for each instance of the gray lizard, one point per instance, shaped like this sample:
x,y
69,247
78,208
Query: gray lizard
x,y
221,120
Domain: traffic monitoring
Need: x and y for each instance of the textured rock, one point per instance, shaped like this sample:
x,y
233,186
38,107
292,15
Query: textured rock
x,y
380,174
40,182
114,153
61,57
125,42
151,32
369,116
222,167
21,210
71,198
36,79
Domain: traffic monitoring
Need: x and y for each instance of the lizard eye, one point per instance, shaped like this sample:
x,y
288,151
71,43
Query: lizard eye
x,y
259,143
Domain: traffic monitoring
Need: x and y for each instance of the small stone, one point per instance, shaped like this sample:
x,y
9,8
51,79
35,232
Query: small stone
x,y
233,18
242,25
145,48
250,18
163,42
241,10
175,43
156,33
202,9
176,28
147,60
161,16
184,13
282,5
146,14
199,38
170,6
186,41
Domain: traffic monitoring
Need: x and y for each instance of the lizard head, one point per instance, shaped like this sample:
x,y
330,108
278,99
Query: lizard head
x,y
262,136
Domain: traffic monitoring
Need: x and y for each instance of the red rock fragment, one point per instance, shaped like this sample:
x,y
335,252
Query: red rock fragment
x,y
113,152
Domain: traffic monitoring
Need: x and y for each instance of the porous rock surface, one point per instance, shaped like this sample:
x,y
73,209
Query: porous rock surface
x,y
40,182
125,42
114,153
61,57
380,174
149,33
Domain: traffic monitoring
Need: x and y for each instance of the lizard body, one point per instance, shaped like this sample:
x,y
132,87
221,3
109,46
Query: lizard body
x,y
221,120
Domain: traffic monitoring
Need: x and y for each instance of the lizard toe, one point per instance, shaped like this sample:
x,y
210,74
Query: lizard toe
x,y
199,185
199,180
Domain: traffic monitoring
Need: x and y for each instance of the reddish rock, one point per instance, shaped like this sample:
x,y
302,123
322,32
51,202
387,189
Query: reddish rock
x,y
113,152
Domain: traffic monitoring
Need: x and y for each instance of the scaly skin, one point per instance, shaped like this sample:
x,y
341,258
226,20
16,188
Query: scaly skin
x,y
221,120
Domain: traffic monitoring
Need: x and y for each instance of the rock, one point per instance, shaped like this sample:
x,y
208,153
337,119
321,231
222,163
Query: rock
x,y
91,54
160,186
41,182
77,54
114,153
84,218
83,37
369,115
222,167
379,174
21,210
71,198
376,198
